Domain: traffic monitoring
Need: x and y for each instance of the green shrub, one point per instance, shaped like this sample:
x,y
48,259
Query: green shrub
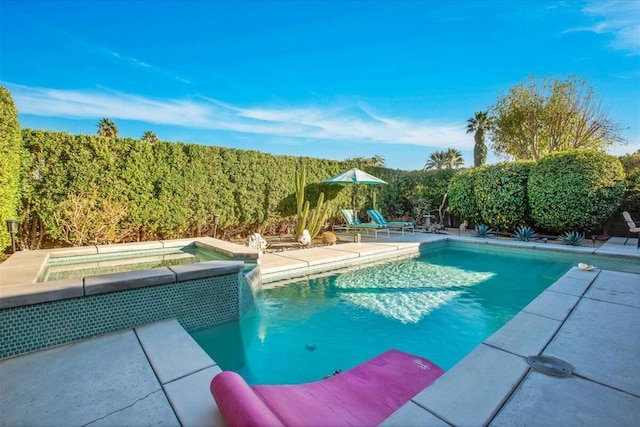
x,y
631,199
412,191
575,190
501,194
11,156
462,198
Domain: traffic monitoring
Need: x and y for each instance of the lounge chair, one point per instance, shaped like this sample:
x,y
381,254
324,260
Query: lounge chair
x,y
634,227
377,217
353,223
363,396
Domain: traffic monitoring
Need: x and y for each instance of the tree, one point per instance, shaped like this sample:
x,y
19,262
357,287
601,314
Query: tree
x,y
11,157
450,159
538,118
378,161
436,160
481,123
631,199
107,128
454,159
150,136
375,161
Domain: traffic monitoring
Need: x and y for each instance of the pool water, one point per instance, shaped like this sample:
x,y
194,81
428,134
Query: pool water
x,y
439,305
91,265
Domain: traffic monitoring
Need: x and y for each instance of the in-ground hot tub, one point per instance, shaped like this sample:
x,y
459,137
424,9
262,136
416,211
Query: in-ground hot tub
x,y
61,268
35,315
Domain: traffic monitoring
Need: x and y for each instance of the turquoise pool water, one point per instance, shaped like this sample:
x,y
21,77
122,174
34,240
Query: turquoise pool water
x,y
440,305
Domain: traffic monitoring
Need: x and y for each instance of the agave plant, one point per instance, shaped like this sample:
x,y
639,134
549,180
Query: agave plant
x,y
572,238
481,230
525,233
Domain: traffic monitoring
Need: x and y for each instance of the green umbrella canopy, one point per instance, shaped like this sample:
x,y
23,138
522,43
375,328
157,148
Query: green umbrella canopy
x,y
354,176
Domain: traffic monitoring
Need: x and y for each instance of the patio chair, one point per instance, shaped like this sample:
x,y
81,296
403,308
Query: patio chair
x,y
365,395
634,227
353,223
379,219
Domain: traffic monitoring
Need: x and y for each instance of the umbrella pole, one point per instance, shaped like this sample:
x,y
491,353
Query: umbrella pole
x,y
353,202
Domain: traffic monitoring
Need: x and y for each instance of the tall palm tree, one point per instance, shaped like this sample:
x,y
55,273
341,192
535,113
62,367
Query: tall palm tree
x,y
450,159
453,159
150,136
437,160
480,124
107,128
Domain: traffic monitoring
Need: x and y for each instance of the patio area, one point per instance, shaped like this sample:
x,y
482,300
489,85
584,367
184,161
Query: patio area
x,y
157,375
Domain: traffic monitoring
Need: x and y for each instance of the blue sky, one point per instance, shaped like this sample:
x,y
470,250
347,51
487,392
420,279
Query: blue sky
x,y
328,79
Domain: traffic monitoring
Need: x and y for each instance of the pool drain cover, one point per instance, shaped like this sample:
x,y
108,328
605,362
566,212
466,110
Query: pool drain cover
x,y
550,366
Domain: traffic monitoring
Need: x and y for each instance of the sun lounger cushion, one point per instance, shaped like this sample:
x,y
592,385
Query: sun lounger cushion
x,y
381,220
354,222
364,395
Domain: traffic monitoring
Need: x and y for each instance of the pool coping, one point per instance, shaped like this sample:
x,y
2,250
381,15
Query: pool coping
x,y
299,263
19,274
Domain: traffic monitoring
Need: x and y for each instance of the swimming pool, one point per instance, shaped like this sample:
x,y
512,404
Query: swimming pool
x,y
440,305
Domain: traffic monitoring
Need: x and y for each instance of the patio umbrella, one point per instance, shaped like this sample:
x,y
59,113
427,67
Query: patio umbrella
x,y
354,176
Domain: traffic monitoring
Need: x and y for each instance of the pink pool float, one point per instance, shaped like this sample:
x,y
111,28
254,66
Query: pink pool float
x,y
363,396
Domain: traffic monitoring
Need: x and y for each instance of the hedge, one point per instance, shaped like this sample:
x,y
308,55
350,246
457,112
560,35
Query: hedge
x,y
631,199
413,193
462,196
575,190
11,156
93,190
501,194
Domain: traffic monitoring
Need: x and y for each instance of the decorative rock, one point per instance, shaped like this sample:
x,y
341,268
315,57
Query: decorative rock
x,y
257,242
329,238
305,239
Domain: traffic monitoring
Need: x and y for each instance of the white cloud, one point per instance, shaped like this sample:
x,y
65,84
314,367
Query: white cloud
x,y
619,18
342,121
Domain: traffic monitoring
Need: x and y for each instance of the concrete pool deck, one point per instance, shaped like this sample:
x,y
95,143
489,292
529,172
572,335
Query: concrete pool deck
x,y
156,374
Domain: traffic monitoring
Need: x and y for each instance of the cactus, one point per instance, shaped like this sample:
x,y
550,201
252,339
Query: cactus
x,y
301,221
302,206
310,219
301,182
318,216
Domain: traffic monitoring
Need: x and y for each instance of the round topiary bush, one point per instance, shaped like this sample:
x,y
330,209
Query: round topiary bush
x,y
461,196
631,199
501,194
575,190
